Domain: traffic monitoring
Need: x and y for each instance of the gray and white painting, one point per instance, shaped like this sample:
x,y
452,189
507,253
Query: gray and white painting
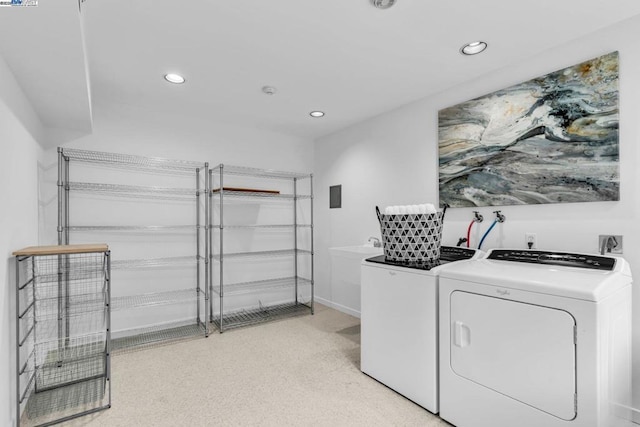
x,y
553,139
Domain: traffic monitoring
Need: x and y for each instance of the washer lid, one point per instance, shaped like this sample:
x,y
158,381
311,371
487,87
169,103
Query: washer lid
x,y
572,282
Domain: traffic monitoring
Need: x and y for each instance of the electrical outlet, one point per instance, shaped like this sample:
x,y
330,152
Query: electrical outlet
x,y
530,240
615,246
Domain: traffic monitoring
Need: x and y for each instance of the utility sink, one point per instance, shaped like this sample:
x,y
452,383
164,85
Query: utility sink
x,y
356,251
346,262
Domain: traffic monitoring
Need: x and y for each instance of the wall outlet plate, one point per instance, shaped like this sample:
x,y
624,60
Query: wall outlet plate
x,y
530,241
617,249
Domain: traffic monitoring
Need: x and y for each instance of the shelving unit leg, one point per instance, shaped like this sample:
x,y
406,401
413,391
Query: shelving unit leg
x,y
312,251
210,237
17,341
198,290
295,237
221,249
60,185
108,304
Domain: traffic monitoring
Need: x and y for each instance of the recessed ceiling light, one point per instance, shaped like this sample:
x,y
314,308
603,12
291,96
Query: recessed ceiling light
x,y
383,4
316,114
174,78
473,48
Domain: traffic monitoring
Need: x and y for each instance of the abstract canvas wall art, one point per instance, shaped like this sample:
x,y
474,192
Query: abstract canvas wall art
x,y
552,139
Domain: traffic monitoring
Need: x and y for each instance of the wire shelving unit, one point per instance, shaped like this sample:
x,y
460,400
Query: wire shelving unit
x,y
63,332
299,289
110,167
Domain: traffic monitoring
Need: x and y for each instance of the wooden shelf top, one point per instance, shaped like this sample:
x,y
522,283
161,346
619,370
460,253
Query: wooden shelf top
x,y
62,249
245,190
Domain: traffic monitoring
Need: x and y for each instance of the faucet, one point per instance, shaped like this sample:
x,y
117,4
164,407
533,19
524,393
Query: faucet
x,y
608,243
376,242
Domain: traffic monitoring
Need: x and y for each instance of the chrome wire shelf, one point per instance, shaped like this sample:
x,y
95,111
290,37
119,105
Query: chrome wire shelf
x,y
84,324
151,228
261,314
259,195
261,285
72,348
153,262
56,404
265,226
78,306
84,270
171,193
77,278
70,360
263,254
259,173
127,161
158,335
155,299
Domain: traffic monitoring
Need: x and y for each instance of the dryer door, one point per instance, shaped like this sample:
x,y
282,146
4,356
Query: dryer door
x,y
523,351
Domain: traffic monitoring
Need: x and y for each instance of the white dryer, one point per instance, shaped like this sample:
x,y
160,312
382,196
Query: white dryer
x,y
534,338
399,323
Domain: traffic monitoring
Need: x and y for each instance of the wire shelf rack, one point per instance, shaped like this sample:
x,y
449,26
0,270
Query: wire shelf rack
x,y
66,361
75,306
82,324
290,194
260,173
154,262
171,193
127,228
132,162
84,268
57,404
265,226
263,254
135,190
261,314
158,335
182,296
63,332
263,285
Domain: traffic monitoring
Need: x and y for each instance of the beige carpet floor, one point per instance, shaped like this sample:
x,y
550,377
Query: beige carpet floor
x,y
294,372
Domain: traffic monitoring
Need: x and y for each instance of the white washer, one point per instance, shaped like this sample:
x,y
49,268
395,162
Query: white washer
x,y
399,324
534,338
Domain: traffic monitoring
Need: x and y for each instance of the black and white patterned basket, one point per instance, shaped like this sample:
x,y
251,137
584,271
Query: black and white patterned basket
x,y
411,237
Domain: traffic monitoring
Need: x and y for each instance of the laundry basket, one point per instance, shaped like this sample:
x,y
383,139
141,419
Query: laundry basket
x,y
411,237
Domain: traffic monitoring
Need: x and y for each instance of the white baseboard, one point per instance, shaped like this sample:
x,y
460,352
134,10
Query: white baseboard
x,y
627,415
338,307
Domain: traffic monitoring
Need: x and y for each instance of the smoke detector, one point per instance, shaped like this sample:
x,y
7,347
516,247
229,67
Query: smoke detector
x,y
383,4
269,90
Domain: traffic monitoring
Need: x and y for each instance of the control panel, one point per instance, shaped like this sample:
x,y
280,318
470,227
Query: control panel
x,y
594,262
454,253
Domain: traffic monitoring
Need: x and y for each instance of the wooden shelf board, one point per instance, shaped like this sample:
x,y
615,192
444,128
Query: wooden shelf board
x,y
62,249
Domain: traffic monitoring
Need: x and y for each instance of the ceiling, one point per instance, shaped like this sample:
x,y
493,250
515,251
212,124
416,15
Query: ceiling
x,y
347,58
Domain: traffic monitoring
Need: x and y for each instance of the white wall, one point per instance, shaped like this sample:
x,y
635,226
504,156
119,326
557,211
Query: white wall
x,y
18,216
393,159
